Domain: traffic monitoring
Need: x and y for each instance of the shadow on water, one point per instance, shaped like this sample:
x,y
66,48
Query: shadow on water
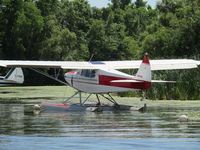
x,y
7,92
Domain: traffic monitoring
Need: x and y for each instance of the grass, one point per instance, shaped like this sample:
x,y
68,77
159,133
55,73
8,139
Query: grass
x,y
33,93
38,94
60,93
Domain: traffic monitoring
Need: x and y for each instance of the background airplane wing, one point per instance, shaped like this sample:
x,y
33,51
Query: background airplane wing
x,y
48,64
168,64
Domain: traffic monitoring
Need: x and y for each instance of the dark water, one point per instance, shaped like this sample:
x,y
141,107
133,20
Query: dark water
x,y
158,129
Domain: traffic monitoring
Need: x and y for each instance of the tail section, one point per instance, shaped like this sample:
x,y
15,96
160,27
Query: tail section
x,y
15,75
144,72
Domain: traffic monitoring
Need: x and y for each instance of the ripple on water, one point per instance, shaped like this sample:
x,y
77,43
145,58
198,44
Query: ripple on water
x,y
90,130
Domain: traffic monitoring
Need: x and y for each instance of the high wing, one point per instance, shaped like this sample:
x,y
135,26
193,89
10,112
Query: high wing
x,y
167,64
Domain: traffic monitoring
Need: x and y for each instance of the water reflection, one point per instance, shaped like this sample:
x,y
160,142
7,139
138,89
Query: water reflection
x,y
155,124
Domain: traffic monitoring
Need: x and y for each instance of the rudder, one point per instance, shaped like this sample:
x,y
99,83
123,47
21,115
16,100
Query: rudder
x,y
16,75
144,72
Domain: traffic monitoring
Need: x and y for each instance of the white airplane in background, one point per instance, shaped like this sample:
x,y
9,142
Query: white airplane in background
x,y
14,76
103,77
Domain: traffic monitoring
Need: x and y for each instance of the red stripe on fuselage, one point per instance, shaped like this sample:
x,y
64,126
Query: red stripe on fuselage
x,y
72,72
106,80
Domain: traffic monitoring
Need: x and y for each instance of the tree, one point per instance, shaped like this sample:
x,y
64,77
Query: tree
x,y
163,43
140,3
137,19
48,7
77,18
1,28
115,4
96,38
29,26
21,25
125,3
10,14
77,15
60,44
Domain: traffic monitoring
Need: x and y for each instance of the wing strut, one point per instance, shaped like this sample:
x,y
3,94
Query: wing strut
x,y
46,75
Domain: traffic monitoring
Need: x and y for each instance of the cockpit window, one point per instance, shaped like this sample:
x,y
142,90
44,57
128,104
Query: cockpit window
x,y
88,73
93,73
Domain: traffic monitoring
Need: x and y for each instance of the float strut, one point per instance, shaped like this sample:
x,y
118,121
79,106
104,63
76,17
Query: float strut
x,y
99,103
71,97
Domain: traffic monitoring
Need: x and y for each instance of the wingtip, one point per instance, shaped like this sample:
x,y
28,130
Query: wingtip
x,y
3,65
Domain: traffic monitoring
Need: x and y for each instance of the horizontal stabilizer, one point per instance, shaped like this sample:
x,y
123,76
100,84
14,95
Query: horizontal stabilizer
x,y
162,81
136,81
125,81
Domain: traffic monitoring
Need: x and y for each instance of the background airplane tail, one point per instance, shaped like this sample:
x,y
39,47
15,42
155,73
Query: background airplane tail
x,y
16,75
144,72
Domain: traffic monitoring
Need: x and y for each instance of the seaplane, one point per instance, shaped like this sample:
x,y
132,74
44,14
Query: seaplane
x,y
13,77
104,77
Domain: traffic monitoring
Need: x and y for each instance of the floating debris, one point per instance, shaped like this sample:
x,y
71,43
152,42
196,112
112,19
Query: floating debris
x,y
183,118
36,107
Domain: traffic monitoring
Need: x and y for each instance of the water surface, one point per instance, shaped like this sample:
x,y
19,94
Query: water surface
x,y
156,129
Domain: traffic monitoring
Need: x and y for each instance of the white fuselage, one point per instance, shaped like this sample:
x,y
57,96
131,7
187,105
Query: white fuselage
x,y
101,81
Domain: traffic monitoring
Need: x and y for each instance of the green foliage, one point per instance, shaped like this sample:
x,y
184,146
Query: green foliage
x,y
22,24
140,3
73,30
96,38
29,26
48,7
9,15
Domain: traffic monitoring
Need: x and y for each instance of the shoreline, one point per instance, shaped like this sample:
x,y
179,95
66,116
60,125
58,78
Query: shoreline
x,y
31,95
38,94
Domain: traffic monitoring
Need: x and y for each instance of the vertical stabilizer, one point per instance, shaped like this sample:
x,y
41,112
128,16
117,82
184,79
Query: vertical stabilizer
x,y
144,72
16,75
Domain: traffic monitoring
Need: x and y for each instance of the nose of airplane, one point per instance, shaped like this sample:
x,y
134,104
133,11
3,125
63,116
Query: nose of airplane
x,y
69,76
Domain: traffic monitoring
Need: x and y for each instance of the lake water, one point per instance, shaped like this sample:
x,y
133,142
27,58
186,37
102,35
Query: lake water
x,y
155,129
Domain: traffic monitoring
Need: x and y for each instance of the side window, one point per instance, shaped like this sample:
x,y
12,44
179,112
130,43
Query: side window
x,y
83,73
93,73
88,73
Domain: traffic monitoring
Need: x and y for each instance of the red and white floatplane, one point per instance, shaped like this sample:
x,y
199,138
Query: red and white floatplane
x,y
103,77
